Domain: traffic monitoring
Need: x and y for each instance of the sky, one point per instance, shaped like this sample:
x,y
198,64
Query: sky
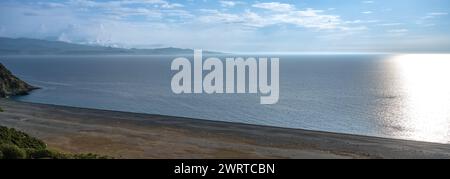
x,y
408,26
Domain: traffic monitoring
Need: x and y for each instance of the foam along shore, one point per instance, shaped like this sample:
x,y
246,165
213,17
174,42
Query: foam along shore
x,y
130,135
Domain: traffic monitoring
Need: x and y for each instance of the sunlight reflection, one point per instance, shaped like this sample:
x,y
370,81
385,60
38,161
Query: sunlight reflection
x,y
425,83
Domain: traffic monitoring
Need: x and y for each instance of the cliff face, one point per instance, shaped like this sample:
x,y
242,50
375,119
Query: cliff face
x,y
11,85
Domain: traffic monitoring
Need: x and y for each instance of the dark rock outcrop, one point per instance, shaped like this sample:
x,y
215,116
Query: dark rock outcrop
x,y
11,85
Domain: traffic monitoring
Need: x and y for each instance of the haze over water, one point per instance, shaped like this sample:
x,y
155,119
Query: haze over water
x,y
395,96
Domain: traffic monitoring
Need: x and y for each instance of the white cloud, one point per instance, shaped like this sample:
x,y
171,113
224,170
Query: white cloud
x,y
432,15
437,13
281,14
368,2
429,25
122,4
275,6
52,4
391,24
367,12
152,9
253,19
230,3
309,18
354,22
398,31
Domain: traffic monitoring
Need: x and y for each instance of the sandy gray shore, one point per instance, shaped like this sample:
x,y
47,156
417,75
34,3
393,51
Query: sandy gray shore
x,y
129,135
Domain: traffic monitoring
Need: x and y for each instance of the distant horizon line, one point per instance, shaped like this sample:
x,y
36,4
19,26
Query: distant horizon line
x,y
244,52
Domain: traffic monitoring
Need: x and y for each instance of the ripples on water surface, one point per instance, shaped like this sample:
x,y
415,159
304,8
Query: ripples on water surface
x,y
397,96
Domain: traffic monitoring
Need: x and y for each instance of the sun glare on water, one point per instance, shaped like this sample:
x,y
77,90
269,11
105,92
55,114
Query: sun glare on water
x,y
425,83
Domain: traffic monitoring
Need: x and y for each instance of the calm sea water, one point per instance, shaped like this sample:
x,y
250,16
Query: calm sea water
x,y
405,97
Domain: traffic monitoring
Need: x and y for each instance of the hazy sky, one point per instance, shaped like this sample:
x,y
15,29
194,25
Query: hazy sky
x,y
237,26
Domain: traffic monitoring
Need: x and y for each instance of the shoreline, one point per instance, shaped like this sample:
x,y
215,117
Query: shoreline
x,y
137,136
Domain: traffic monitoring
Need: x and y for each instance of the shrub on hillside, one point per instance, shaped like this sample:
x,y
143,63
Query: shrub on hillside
x,y
20,139
12,152
18,145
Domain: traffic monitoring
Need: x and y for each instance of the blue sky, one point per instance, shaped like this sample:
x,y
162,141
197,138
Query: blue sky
x,y
237,26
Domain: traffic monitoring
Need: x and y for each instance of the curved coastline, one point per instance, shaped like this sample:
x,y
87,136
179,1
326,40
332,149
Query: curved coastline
x,y
132,135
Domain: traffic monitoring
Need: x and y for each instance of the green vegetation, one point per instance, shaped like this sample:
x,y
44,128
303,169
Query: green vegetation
x,y
9,151
1,110
19,139
18,145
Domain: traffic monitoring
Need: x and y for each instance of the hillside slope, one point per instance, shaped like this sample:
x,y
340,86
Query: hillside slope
x,y
10,85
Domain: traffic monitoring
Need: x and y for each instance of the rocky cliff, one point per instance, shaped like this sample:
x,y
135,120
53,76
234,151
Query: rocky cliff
x,y
11,85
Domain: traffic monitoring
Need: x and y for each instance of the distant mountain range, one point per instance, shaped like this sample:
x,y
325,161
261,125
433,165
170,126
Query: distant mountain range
x,y
25,46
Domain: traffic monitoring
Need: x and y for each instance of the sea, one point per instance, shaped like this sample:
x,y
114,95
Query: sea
x,y
402,96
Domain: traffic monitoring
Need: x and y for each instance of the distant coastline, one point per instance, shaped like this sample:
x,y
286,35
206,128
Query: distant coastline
x,y
27,46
